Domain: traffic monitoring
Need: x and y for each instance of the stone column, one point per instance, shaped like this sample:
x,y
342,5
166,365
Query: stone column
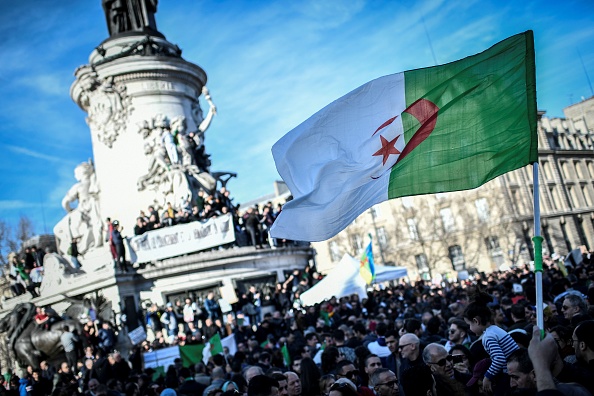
x,y
128,81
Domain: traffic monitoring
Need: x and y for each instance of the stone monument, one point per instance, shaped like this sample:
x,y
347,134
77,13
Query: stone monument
x,y
146,120
144,110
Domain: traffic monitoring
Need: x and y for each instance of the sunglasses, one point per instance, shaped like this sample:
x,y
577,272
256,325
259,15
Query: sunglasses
x,y
350,374
340,385
443,361
389,384
403,346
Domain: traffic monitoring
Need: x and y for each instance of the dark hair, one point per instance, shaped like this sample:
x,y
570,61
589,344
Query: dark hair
x,y
521,357
478,307
261,385
433,325
381,329
338,335
278,376
218,360
310,377
329,357
518,311
585,333
184,372
466,352
359,328
131,388
460,324
368,357
411,325
417,380
311,335
343,363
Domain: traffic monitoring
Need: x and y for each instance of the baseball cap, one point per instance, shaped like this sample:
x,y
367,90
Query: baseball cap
x,y
480,368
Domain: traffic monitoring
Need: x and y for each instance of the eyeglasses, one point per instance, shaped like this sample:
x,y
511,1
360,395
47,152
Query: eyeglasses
x,y
565,307
403,346
389,384
452,331
443,361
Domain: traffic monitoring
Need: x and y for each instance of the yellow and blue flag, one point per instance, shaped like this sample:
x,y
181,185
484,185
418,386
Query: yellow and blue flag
x,y
367,268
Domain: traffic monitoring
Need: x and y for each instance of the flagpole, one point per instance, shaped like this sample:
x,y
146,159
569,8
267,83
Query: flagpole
x,y
537,239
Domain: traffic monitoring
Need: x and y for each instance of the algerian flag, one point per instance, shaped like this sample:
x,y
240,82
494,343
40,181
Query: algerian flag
x,y
445,128
212,347
286,355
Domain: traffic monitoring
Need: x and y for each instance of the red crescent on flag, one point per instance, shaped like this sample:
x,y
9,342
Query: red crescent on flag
x,y
385,124
425,111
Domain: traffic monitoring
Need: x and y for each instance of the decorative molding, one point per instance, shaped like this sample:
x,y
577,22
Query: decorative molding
x,y
108,106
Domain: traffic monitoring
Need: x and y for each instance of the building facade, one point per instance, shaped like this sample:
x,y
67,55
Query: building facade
x,y
489,227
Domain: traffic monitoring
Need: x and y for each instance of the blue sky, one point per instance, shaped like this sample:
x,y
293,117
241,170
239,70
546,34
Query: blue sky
x,y
270,65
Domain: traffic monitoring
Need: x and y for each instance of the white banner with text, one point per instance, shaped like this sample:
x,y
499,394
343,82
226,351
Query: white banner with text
x,y
181,239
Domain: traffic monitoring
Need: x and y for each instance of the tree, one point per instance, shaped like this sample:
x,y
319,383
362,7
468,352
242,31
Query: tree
x,y
13,238
7,242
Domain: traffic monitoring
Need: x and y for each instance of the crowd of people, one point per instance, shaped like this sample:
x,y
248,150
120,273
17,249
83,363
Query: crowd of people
x,y
26,271
472,337
251,224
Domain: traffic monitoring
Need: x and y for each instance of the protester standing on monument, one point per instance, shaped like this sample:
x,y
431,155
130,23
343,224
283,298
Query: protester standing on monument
x,y
118,241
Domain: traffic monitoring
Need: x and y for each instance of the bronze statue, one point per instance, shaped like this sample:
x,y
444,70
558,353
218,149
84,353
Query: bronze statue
x,y
130,16
30,343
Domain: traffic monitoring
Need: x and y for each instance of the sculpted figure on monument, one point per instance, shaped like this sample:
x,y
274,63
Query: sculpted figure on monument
x,y
201,157
130,15
30,343
172,180
84,221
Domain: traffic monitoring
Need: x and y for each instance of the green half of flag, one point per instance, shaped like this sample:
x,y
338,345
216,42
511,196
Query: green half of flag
x,y
191,354
286,355
468,121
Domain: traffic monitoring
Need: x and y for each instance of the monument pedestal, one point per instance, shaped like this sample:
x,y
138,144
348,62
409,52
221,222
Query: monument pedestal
x,y
131,85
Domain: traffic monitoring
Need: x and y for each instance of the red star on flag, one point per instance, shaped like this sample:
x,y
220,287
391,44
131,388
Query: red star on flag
x,y
388,148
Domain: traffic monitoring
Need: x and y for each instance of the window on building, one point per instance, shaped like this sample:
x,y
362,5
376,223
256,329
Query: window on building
x,y
335,254
482,209
573,196
357,242
578,170
447,218
546,170
554,198
495,251
590,166
565,170
457,258
382,238
413,232
512,176
587,196
407,202
422,263
492,243
375,212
